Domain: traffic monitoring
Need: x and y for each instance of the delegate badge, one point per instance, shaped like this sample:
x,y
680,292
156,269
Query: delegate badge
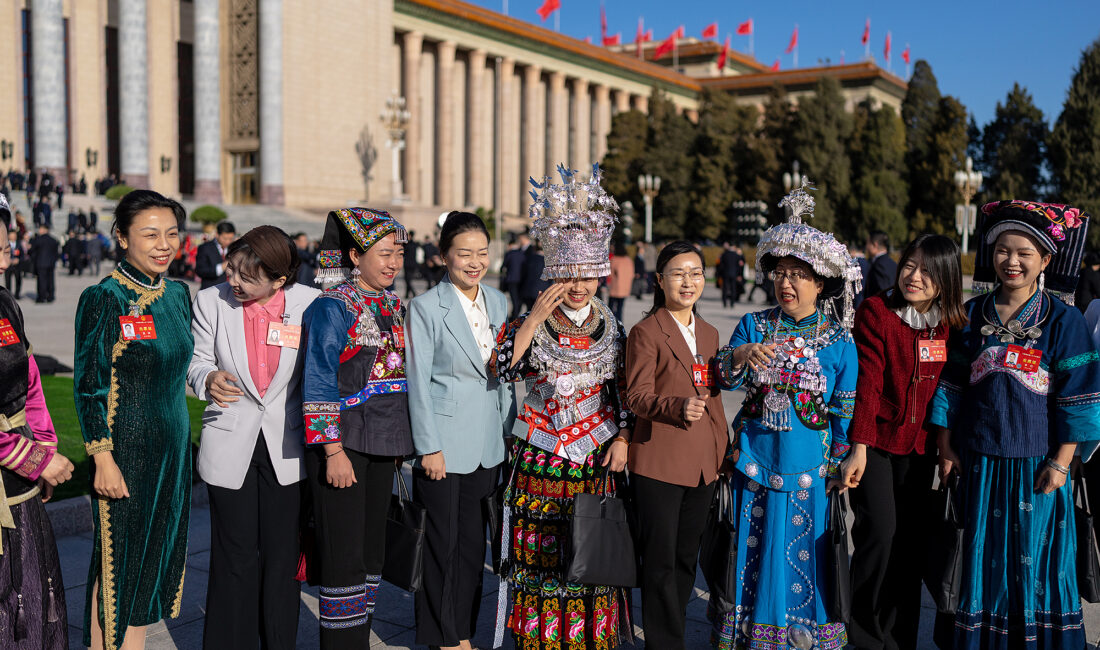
x,y
1023,359
933,351
284,336
398,335
7,333
573,342
138,328
701,375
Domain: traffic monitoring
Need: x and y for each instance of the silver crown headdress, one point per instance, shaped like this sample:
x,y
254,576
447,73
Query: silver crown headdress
x,y
573,223
828,257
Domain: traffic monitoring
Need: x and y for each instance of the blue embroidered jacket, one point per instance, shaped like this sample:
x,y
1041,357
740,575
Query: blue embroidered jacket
x,y
999,411
818,419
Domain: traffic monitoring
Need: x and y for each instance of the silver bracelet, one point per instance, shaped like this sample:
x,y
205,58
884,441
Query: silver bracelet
x,y
1056,467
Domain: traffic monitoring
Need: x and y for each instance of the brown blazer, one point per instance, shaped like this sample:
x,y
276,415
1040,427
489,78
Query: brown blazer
x,y
658,376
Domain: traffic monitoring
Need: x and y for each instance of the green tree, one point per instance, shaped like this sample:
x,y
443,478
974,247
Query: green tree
x,y
722,144
879,192
946,155
668,155
769,153
820,133
1075,142
1013,148
919,111
625,157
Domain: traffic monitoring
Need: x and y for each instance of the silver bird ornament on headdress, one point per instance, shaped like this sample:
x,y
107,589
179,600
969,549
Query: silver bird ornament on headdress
x,y
573,222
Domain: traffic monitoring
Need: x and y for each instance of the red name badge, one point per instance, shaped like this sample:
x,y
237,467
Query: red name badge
x,y
701,375
1021,358
7,333
573,342
398,335
284,336
933,351
137,328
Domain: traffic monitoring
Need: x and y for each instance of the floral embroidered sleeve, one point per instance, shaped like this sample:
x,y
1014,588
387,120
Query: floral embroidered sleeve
x,y
730,378
325,324
500,364
22,455
625,417
842,404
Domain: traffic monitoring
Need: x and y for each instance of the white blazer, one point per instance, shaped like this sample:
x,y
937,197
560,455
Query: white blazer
x,y
229,435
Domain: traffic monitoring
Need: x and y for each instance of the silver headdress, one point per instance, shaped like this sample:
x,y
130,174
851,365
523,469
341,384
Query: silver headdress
x,y
828,257
573,223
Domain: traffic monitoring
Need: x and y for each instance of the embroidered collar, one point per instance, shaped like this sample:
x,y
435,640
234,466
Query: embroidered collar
x,y
578,316
918,321
130,272
1026,326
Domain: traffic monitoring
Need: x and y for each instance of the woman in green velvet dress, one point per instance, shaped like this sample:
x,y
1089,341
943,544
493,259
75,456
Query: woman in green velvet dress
x,y
133,345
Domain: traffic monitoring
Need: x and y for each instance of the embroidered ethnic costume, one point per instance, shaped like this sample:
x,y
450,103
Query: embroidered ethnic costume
x,y
791,434
130,399
1019,586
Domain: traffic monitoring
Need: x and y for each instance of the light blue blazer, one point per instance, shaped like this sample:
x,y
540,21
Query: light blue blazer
x,y
454,405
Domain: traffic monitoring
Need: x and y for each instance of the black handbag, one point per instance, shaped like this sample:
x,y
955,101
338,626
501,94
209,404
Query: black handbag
x,y
601,550
840,577
943,566
718,551
405,524
1088,553
492,505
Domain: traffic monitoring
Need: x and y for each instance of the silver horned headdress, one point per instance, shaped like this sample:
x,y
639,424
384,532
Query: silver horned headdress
x,y
828,257
573,223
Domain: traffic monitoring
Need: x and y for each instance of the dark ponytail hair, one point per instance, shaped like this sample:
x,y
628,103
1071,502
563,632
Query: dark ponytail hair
x,y
941,258
678,247
457,223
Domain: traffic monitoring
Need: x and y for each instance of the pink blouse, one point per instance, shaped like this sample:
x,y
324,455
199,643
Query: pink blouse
x,y
263,359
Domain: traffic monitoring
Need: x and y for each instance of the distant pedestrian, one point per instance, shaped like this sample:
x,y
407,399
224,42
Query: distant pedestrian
x,y
1088,287
411,268
640,276
433,262
622,276
210,259
307,268
533,284
512,270
45,251
93,253
731,266
13,275
883,268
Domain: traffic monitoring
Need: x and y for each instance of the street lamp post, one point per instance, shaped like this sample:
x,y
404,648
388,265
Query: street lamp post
x,y
396,120
966,216
650,186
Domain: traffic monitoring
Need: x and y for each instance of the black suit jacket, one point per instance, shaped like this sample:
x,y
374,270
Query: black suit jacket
x,y
45,251
207,259
532,274
881,275
513,266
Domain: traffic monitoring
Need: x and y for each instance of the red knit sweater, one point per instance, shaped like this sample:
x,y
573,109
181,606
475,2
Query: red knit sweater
x,y
893,393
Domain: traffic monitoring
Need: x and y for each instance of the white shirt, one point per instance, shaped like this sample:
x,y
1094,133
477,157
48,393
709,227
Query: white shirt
x,y
689,333
477,315
578,316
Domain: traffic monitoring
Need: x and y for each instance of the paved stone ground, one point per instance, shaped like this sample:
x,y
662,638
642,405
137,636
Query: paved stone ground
x,y
51,327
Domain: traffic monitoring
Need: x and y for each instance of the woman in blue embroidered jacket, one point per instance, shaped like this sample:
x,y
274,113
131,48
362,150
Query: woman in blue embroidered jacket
x,y
356,414
799,365
1020,392
569,348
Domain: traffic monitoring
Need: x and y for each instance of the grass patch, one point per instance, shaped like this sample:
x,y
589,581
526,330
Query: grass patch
x,y
59,399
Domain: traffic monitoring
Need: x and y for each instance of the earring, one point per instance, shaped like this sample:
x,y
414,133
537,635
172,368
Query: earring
x,y
355,273
1042,281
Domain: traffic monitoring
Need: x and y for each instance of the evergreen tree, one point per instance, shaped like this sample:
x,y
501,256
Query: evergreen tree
x,y
721,148
919,111
1013,148
625,158
769,154
821,131
1075,142
668,149
946,155
879,192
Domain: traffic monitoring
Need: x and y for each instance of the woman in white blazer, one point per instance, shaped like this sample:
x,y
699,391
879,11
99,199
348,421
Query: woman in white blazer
x,y
459,415
247,365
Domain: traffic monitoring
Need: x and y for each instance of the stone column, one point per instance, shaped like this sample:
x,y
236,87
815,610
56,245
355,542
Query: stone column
x,y
47,58
479,171
208,129
133,96
414,43
692,115
534,130
444,124
641,103
508,132
557,149
271,102
602,125
622,101
582,127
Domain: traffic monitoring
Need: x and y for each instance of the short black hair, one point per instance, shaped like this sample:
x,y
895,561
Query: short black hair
x,y
458,223
139,201
265,250
226,226
880,239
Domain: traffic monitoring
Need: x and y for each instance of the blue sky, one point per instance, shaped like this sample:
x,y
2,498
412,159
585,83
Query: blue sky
x,y
977,48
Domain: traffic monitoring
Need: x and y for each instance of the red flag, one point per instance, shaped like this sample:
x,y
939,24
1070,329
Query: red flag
x,y
724,55
711,31
617,39
866,32
745,28
588,39
666,46
794,41
905,54
886,49
648,38
548,7
638,38
603,24
775,66
679,33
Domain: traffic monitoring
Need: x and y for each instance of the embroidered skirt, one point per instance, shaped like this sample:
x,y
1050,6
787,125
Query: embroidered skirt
x,y
781,550
1019,563
32,596
546,612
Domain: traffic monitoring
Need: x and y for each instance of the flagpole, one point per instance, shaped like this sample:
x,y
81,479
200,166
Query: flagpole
x,y
505,7
751,31
557,21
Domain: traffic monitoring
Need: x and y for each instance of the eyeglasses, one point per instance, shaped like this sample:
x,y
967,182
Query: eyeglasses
x,y
695,275
795,276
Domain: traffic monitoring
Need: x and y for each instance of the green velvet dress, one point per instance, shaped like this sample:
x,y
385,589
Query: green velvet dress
x,y
130,400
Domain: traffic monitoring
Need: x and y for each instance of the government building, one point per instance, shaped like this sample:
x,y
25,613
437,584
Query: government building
x,y
415,106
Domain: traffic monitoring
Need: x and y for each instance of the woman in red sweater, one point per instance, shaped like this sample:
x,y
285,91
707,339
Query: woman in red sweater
x,y
901,335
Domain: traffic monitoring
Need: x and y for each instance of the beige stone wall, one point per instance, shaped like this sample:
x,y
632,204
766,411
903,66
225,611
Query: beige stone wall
x,y
11,77
163,30
329,95
87,86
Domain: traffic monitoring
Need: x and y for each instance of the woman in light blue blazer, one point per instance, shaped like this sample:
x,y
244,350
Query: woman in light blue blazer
x,y
459,414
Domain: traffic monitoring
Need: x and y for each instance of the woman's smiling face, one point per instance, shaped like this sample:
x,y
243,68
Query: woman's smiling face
x,y
1018,260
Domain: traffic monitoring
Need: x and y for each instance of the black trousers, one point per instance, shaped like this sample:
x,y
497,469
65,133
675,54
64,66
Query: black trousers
x,y
253,558
616,306
45,284
14,276
351,545
731,291
892,517
454,555
671,519
517,300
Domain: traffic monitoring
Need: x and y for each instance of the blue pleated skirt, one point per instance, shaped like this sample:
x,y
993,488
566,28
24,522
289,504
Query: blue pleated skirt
x,y
781,556
1019,563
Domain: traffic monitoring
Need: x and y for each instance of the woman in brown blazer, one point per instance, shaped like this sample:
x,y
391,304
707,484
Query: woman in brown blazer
x,y
678,442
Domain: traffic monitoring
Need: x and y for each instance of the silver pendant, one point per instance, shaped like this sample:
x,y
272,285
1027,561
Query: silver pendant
x,y
565,385
776,401
987,330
